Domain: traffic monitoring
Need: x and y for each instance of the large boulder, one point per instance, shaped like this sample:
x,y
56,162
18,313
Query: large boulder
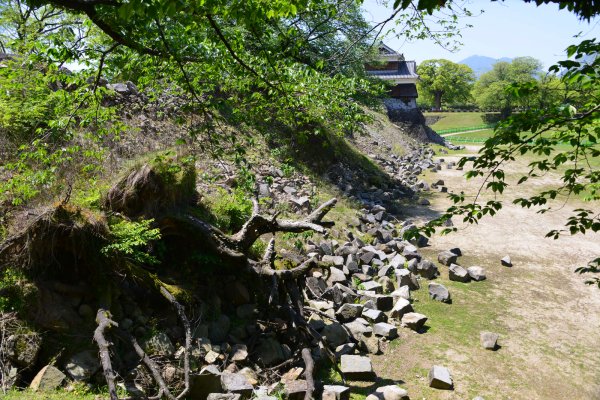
x,y
23,349
506,261
427,269
48,379
83,365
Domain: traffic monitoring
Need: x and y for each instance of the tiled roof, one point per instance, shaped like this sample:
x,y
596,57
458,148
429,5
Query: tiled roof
x,y
406,69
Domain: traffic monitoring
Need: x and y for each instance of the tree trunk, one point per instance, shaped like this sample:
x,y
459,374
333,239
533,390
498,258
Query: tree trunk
x,y
438,100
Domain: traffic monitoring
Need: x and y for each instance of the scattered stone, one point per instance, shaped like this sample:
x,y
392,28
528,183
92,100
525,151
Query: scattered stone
x,y
349,312
295,390
83,365
316,286
336,392
335,333
239,352
458,273
159,344
250,375
211,357
236,383
369,344
489,340
401,308
439,292
401,293
391,392
427,269
506,261
476,273
374,315
397,261
357,367
447,257
338,261
336,276
456,251
23,349
439,378
386,330
382,302
406,278
346,348
269,352
414,321
357,329
372,286
224,396
48,379
219,329
386,284
205,382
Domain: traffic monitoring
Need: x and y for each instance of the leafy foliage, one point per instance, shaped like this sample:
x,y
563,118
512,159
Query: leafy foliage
x,y
15,291
231,209
489,91
445,80
130,240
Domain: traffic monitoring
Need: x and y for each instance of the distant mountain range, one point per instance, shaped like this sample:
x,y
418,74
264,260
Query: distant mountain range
x,y
482,64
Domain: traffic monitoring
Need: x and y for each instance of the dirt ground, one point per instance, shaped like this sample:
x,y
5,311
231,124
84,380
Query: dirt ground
x,y
547,318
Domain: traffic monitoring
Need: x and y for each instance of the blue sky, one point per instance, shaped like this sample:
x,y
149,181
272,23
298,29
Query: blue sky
x,y
506,29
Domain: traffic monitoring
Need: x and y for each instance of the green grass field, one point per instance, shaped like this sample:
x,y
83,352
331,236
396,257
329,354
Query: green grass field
x,y
456,120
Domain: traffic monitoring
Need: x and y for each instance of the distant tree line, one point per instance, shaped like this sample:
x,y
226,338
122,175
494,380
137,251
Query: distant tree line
x,y
445,85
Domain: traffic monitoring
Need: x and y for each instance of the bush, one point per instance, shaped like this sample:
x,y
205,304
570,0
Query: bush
x,y
231,210
131,240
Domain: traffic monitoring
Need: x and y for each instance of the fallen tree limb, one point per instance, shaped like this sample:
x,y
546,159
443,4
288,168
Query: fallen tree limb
x,y
104,322
259,225
308,373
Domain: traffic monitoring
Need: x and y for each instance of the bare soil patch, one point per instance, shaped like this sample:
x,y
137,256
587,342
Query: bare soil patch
x,y
547,317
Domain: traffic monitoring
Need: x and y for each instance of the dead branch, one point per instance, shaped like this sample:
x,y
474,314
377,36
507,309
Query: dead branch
x,y
259,225
188,339
104,322
308,373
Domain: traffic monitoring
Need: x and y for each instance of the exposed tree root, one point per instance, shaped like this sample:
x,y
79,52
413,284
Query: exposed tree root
x,y
144,193
104,323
